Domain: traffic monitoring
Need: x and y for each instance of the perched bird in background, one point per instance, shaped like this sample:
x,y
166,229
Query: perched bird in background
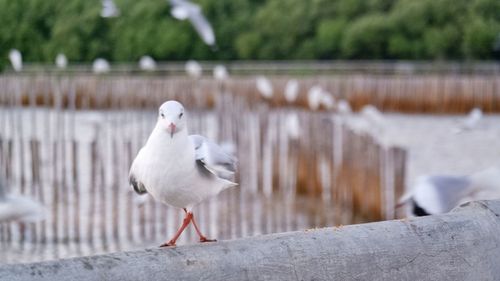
x,y
314,96
178,169
100,66
16,60
19,208
343,107
264,87
109,9
327,100
437,194
193,69
147,63
291,90
220,72
373,117
61,61
183,9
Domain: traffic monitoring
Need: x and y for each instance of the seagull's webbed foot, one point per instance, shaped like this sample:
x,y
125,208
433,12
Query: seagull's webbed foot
x,y
168,244
204,239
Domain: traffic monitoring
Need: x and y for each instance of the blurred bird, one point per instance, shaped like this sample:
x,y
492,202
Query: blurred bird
x,y
327,100
343,107
220,72
109,9
314,96
293,125
178,169
193,69
61,61
147,63
183,9
291,90
19,208
264,87
473,118
16,60
100,65
373,117
437,194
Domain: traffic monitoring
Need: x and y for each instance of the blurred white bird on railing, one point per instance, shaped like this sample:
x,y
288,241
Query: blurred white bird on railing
x,y
327,100
220,73
61,61
264,87
18,208
109,9
183,9
373,117
291,90
314,96
147,63
193,69
16,60
100,66
471,121
343,107
437,194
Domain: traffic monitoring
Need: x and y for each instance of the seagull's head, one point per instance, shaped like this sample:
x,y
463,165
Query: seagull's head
x,y
171,117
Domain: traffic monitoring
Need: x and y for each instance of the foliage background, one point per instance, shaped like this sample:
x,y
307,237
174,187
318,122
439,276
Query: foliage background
x,y
254,30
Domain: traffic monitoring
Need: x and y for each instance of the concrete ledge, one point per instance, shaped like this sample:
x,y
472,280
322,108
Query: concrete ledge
x,y
461,245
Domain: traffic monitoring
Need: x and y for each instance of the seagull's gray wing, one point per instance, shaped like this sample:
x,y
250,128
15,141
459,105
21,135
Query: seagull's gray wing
x,y
213,158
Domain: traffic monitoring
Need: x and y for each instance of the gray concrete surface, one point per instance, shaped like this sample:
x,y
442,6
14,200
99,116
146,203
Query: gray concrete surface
x,y
461,245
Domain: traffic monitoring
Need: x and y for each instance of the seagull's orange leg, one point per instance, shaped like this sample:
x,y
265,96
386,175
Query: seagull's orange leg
x,y
202,237
185,223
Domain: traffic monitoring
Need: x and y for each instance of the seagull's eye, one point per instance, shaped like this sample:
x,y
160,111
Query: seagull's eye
x,y
162,115
180,115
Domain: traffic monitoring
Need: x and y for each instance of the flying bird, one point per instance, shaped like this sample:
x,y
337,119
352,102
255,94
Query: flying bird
x,y
437,194
183,9
19,208
16,60
179,169
109,9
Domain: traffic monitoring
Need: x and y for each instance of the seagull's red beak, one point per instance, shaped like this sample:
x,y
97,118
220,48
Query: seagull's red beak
x,y
171,128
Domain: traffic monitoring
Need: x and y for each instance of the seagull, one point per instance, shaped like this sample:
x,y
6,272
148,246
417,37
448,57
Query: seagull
x,y
291,90
109,9
220,72
61,61
19,208
327,100
183,9
147,63
264,87
178,169
373,117
437,194
16,60
343,107
100,66
193,69
314,96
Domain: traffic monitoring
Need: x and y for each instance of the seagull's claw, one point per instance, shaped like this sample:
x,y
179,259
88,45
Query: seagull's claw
x,y
168,244
205,239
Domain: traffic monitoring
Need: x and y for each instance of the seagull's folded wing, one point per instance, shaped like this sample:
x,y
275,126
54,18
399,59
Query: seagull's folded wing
x,y
214,158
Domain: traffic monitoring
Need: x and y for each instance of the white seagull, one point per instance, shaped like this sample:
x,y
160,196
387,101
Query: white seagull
x,y
193,69
178,169
437,194
61,61
291,90
147,63
19,208
220,72
314,96
264,87
183,9
109,9
100,65
16,60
